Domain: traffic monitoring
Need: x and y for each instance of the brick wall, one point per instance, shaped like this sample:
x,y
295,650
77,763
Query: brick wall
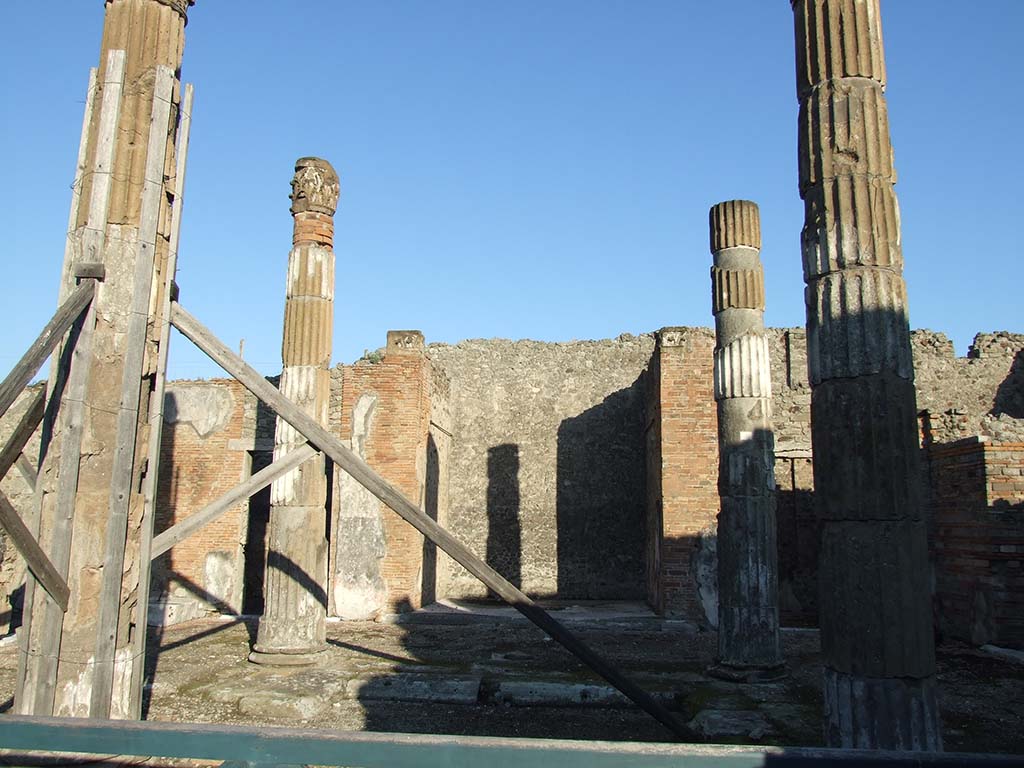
x,y
202,456
396,446
682,576
978,540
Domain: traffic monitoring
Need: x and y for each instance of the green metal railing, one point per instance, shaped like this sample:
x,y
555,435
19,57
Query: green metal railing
x,y
27,738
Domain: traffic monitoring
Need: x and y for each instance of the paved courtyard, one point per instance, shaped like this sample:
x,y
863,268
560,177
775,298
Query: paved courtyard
x,y
483,670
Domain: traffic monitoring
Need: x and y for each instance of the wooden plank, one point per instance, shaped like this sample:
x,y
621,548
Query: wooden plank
x,y
240,492
23,432
48,339
363,474
71,242
156,412
84,269
28,472
35,558
71,414
131,391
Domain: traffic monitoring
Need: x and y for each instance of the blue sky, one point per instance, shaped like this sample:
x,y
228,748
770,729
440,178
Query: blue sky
x,y
520,169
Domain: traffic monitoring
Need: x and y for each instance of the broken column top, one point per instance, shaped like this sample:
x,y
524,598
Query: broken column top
x,y
181,6
315,187
837,39
734,223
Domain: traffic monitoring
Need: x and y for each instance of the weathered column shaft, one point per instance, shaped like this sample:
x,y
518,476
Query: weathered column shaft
x,y
748,606
876,627
295,605
62,656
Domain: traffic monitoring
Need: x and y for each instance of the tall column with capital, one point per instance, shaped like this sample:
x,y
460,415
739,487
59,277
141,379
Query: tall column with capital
x,y
876,621
748,605
292,628
94,459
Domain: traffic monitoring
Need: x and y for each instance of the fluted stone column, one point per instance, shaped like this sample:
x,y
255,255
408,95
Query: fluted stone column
x,y
876,624
748,605
65,654
292,627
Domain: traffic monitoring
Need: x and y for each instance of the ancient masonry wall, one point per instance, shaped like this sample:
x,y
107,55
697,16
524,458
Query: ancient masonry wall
x,y
581,413
547,458
385,412
203,454
683,459
978,540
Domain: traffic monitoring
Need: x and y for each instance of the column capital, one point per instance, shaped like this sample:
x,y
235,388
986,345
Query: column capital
x,y
315,187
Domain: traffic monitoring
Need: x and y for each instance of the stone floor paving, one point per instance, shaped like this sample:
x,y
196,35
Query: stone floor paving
x,y
489,672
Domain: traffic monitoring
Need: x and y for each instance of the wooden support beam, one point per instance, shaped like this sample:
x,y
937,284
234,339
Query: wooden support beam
x,y
366,476
71,242
156,410
122,471
23,432
240,492
35,558
47,625
28,472
49,337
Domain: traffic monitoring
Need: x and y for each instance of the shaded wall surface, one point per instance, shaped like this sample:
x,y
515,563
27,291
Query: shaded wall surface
x,y
978,540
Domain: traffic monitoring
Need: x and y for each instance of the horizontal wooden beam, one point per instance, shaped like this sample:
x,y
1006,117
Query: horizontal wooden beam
x,y
23,432
91,269
367,477
35,558
181,531
50,337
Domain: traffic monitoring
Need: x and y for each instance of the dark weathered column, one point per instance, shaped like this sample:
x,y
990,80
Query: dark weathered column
x,y
876,627
748,605
79,663
748,579
295,607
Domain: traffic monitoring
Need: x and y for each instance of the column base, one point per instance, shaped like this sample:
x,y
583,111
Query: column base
x,y
277,658
735,673
895,713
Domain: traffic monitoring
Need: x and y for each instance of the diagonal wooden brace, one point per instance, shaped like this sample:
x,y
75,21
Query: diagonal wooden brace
x,y
181,531
48,339
22,433
34,555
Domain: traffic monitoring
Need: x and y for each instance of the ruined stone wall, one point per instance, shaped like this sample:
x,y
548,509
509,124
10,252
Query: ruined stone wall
x,y
796,521
378,558
980,394
208,427
547,456
438,481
